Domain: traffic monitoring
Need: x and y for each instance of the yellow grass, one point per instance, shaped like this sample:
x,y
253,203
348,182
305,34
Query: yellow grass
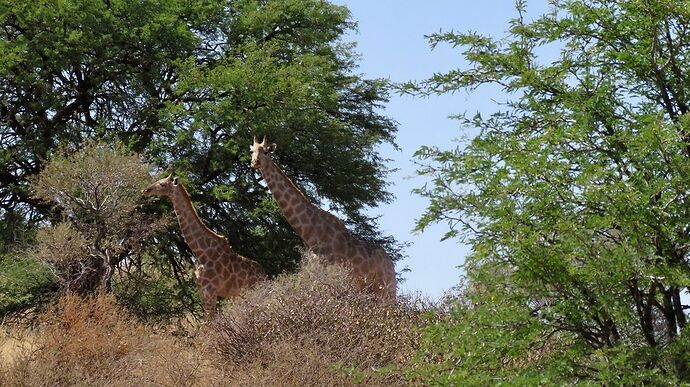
x,y
14,342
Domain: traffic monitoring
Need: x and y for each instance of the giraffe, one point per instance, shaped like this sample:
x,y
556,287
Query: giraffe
x,y
220,271
323,233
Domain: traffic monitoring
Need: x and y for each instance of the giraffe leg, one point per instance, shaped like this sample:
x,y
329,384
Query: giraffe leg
x,y
208,301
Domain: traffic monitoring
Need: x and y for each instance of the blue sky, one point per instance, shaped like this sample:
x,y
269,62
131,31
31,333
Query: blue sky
x,y
390,39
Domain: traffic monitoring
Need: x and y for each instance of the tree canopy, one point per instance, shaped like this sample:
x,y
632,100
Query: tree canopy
x,y
573,196
189,84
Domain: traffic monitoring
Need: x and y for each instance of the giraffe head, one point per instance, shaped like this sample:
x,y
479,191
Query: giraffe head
x,y
163,187
261,152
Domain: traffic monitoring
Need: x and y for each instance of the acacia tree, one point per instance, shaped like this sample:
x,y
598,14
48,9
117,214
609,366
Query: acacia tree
x,y
80,69
97,191
279,70
573,195
189,84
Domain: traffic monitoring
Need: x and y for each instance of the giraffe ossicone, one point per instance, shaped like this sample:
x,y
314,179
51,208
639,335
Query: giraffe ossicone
x,y
220,271
322,232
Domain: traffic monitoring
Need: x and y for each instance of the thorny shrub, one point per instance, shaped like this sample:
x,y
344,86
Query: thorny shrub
x,y
315,324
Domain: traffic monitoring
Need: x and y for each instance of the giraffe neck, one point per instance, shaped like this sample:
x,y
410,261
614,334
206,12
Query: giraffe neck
x,y
293,203
190,223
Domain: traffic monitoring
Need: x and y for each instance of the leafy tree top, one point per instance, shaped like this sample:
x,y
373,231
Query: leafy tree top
x,y
189,84
574,194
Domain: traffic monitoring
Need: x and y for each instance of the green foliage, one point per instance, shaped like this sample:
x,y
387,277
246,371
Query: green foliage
x,y
15,231
574,193
189,84
69,72
493,337
283,74
154,296
24,283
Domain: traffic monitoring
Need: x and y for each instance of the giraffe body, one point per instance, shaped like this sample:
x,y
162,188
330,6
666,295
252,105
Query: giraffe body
x,y
220,271
323,233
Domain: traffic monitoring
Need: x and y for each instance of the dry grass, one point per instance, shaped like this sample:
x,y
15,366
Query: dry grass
x,y
308,329
93,341
14,342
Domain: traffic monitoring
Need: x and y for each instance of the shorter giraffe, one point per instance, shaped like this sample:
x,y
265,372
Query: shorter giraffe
x,y
323,233
220,271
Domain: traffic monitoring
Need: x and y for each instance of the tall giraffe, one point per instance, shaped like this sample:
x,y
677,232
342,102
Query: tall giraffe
x,y
323,233
220,271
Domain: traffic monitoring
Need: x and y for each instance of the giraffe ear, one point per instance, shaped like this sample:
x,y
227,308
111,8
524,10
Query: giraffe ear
x,y
271,148
175,181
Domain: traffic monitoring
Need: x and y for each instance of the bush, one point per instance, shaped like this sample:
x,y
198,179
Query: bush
x,y
97,189
315,328
498,339
24,283
154,296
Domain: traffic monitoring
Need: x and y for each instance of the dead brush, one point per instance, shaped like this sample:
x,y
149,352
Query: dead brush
x,y
77,341
94,341
319,315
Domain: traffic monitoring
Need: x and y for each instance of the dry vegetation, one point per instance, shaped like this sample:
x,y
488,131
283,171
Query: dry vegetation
x,y
314,328
93,341
311,328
